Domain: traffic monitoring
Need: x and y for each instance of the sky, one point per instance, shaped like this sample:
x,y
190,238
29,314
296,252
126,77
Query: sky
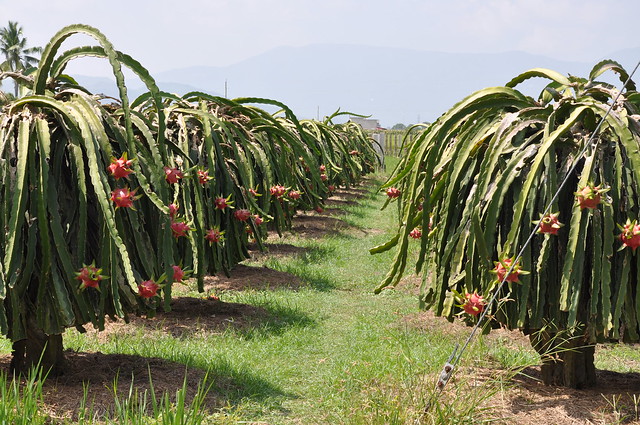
x,y
166,35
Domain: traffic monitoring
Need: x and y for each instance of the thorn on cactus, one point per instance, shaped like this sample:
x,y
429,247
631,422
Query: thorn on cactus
x,y
549,224
120,167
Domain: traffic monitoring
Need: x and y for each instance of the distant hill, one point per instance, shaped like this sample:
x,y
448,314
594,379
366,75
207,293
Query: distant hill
x,y
393,85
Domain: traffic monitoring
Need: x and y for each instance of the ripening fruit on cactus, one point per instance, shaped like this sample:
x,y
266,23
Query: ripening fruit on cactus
x,y
203,177
123,197
173,210
323,177
416,233
549,224
294,194
179,228
214,235
221,203
630,235
178,273
257,220
331,188
589,196
89,276
323,168
121,167
278,191
148,289
393,192
319,210
473,304
173,175
502,267
242,214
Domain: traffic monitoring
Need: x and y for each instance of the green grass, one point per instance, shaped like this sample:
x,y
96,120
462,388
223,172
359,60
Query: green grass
x,y
328,352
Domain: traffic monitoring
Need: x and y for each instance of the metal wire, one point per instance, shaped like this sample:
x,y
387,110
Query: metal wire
x,y
450,366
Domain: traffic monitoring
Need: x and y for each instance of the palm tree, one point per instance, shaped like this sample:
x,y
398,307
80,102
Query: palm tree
x,y
14,48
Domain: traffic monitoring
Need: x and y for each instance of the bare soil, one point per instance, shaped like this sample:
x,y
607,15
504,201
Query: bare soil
x,y
525,400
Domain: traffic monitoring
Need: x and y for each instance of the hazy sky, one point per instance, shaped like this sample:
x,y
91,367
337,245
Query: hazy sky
x,y
164,34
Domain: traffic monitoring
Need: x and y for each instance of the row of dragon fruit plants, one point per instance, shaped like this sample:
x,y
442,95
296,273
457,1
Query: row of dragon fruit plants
x,y
105,205
534,203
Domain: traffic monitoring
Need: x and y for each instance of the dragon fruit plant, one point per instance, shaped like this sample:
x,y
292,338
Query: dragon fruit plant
x,y
487,171
98,199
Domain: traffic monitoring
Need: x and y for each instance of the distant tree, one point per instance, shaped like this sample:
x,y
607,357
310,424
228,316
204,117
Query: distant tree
x,y
14,48
399,126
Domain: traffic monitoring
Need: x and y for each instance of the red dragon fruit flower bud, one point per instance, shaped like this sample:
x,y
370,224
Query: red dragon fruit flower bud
x,y
173,210
416,233
502,267
203,177
630,235
474,304
179,229
221,203
148,289
214,235
178,273
120,167
393,192
89,276
123,197
589,196
278,191
242,214
549,224
294,194
172,175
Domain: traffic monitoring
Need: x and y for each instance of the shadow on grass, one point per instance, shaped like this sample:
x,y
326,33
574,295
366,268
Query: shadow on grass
x,y
258,315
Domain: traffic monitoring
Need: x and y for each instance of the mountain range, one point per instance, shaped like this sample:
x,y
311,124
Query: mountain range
x,y
392,85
